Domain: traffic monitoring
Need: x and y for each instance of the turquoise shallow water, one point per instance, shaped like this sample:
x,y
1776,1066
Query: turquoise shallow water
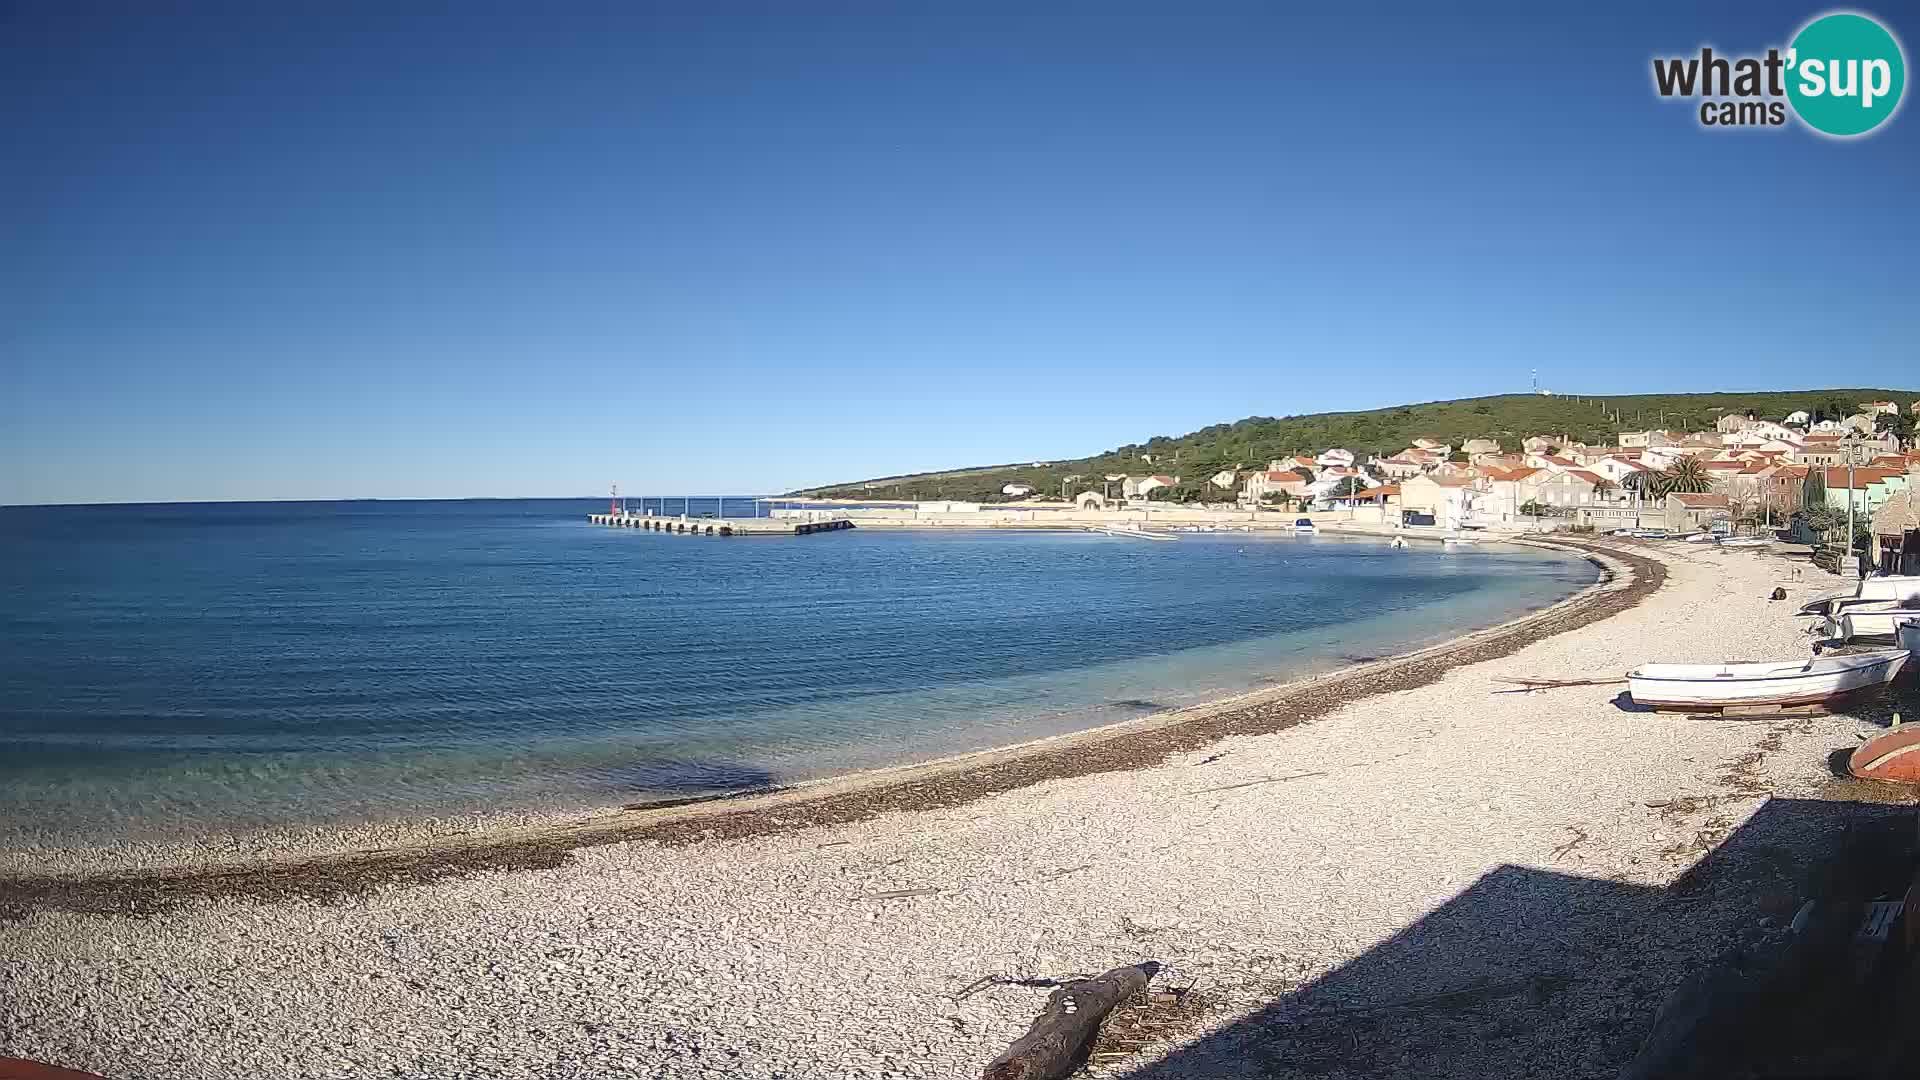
x,y
175,671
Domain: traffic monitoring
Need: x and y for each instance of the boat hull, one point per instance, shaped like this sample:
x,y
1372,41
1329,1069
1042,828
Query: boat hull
x,y
1762,684
1852,623
1893,756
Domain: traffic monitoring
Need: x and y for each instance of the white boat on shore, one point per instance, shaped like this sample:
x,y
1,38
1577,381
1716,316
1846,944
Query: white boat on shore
x,y
1719,686
1868,620
1746,542
1894,588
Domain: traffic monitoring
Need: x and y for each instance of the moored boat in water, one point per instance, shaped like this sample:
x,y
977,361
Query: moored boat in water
x,y
1719,686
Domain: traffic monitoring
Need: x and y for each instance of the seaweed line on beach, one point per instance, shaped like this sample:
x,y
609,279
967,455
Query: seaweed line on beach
x,y
1628,578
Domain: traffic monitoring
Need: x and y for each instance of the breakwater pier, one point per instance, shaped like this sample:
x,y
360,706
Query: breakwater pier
x,y
796,525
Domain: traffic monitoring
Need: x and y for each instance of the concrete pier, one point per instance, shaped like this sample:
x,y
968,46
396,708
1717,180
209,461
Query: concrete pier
x,y
697,526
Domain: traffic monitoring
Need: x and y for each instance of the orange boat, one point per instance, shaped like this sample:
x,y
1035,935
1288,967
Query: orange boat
x,y
1892,756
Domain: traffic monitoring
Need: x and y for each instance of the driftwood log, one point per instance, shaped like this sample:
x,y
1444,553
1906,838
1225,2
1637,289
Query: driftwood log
x,y
1058,1041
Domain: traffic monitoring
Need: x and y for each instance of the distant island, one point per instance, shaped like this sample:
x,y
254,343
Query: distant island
x,y
1253,442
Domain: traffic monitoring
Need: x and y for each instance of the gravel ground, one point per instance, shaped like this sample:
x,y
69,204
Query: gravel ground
x,y
1408,883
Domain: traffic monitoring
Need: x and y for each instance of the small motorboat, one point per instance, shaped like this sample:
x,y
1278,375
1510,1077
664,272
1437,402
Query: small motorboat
x,y
1892,755
1721,686
1746,542
1862,620
1905,588
1460,541
1303,525
1397,542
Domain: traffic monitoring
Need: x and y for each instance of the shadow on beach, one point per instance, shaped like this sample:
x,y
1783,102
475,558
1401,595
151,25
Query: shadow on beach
x,y
1536,973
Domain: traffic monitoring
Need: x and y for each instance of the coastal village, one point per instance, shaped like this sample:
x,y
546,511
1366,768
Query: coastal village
x,y
1795,477
1747,471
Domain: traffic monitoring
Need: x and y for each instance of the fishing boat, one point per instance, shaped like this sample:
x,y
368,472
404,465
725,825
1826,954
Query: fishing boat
x,y
1904,588
1303,525
1460,541
1875,620
1746,542
1720,686
1907,635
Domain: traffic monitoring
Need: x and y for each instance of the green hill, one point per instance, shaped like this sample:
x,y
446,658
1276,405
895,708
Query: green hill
x,y
1252,442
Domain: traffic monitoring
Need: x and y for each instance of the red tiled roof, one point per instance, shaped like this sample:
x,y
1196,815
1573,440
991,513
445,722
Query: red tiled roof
x,y
1587,477
1837,476
1701,499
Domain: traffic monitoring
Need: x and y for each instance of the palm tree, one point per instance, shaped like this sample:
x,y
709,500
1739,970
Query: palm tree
x,y
1602,488
1685,476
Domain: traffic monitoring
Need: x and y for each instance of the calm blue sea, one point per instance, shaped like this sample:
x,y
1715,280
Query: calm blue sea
x,y
171,671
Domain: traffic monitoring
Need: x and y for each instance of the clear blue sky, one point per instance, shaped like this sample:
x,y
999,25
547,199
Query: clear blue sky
x,y
538,251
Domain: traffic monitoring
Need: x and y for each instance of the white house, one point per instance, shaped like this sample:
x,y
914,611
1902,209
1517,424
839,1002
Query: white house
x,y
1336,476
1617,469
1016,491
1139,487
1758,431
1798,416
1224,479
1333,457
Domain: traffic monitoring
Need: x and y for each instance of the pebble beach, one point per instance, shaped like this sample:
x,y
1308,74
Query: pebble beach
x,y
1430,873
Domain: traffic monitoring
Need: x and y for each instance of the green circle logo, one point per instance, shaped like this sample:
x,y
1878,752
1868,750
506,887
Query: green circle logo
x,y
1845,73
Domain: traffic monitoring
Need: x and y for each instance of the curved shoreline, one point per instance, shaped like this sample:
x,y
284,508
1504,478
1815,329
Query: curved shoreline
x,y
1134,744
